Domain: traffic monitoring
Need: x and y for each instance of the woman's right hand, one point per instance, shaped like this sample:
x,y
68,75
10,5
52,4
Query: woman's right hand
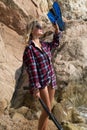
x,y
36,94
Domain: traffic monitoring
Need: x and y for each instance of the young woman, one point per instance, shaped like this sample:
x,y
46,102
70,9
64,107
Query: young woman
x,y
37,60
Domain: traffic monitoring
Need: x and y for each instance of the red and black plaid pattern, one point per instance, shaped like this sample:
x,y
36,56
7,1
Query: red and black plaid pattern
x,y
38,64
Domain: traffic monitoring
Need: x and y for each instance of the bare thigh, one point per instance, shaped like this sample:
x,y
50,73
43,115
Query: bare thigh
x,y
51,92
45,96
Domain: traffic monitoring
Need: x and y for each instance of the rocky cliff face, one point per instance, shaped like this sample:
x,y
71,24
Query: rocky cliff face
x,y
70,59
75,9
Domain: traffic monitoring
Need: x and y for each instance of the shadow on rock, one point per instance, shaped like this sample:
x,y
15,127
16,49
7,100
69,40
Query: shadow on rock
x,y
21,78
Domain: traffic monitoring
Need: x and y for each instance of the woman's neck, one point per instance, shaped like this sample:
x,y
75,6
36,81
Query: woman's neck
x,y
36,42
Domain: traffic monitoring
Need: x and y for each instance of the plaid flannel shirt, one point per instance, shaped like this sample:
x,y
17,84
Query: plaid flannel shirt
x,y
38,64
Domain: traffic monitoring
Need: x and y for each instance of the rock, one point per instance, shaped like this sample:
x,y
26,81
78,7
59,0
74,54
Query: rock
x,y
69,101
59,112
44,6
75,9
19,122
8,45
76,118
23,110
17,13
18,117
70,126
27,6
85,74
38,114
26,112
33,115
12,17
30,115
69,113
69,95
3,53
70,62
3,106
70,57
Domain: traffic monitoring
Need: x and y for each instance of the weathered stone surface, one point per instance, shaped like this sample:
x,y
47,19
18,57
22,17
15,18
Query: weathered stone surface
x,y
10,62
71,59
3,106
18,117
74,8
12,17
64,113
76,118
17,13
27,7
3,53
70,126
22,110
59,112
70,62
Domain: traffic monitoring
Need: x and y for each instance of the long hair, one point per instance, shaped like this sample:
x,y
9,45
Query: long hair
x,y
29,29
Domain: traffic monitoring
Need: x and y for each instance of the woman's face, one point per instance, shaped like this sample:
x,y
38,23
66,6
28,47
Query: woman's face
x,y
37,30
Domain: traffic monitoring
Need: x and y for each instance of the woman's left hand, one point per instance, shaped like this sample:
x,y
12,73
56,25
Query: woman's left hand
x,y
56,27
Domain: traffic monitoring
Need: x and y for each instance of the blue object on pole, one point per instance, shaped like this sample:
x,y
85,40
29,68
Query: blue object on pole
x,y
55,16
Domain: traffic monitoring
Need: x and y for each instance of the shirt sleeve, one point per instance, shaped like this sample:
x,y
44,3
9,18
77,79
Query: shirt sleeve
x,y
55,42
30,64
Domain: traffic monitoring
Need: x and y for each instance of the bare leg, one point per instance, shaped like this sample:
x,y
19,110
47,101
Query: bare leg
x,y
51,93
47,95
43,121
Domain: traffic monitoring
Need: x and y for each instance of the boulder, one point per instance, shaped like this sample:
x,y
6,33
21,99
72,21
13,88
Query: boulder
x,y
76,118
3,106
18,117
59,112
70,58
17,13
70,126
9,61
75,9
12,17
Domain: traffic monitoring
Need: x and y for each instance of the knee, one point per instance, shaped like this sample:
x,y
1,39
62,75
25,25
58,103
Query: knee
x,y
44,114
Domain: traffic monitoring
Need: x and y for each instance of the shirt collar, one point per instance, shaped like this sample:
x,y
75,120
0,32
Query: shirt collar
x,y
32,43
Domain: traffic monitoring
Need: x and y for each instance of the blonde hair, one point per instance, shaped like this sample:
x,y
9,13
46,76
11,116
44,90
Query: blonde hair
x,y
29,28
